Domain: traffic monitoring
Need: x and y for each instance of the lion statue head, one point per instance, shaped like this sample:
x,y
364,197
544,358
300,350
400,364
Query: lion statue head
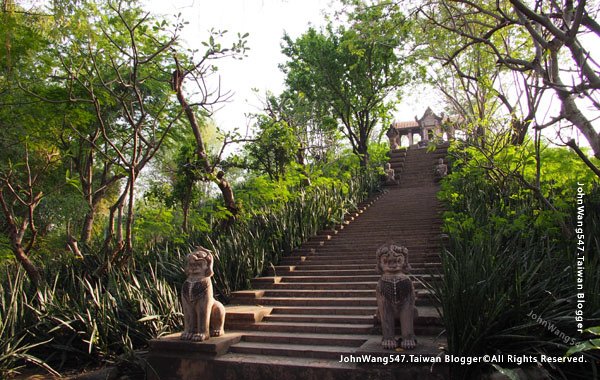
x,y
392,258
199,263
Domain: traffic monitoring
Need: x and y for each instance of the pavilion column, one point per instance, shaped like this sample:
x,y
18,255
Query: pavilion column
x,y
410,138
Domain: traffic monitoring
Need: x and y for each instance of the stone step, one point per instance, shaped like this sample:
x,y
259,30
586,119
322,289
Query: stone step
x,y
358,257
411,231
337,293
340,265
340,285
335,260
313,328
369,249
351,246
397,160
325,310
356,242
330,279
323,293
333,328
418,259
322,285
304,339
293,350
427,312
361,248
428,234
421,300
428,316
313,318
319,273
419,267
418,235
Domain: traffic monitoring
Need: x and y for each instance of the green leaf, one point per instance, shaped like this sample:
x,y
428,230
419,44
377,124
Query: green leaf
x,y
511,374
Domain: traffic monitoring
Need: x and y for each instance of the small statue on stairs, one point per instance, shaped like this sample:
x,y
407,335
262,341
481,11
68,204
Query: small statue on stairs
x,y
440,170
394,136
395,296
203,316
390,175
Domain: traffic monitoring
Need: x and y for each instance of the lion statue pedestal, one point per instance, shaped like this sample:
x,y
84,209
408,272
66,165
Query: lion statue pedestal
x,y
395,296
203,316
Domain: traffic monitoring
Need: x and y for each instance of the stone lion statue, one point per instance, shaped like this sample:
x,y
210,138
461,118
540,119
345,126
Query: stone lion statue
x,y
203,316
395,296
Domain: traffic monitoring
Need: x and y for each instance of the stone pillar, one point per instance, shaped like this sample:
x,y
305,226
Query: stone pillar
x,y
410,138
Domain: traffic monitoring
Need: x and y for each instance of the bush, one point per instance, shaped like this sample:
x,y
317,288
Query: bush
x,y
84,315
509,270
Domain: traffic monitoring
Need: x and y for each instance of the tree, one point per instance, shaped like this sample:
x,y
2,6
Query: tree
x,y
355,71
556,51
116,67
198,73
313,128
29,159
483,95
274,148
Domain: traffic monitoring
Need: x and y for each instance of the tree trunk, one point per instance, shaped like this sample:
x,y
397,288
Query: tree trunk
x,y
119,223
30,268
582,123
88,225
519,131
16,233
363,154
130,212
224,186
227,192
116,208
569,108
185,209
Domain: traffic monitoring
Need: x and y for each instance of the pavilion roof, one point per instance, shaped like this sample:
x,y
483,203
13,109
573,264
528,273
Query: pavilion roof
x,y
406,124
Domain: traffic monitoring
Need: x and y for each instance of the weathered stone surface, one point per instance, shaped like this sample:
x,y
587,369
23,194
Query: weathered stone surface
x,y
203,316
395,296
390,175
440,170
173,345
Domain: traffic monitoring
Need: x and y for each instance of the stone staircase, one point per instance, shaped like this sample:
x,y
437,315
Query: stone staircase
x,y
317,304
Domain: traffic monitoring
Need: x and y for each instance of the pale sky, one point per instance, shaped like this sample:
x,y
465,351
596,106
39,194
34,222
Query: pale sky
x,y
265,20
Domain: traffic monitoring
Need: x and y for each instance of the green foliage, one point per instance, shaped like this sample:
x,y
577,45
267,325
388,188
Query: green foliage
x,y
589,345
314,129
498,177
15,348
509,257
155,225
76,318
274,228
273,149
354,71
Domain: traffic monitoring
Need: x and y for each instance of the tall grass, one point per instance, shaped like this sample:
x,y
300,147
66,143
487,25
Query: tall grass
x,y
78,318
509,274
246,248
